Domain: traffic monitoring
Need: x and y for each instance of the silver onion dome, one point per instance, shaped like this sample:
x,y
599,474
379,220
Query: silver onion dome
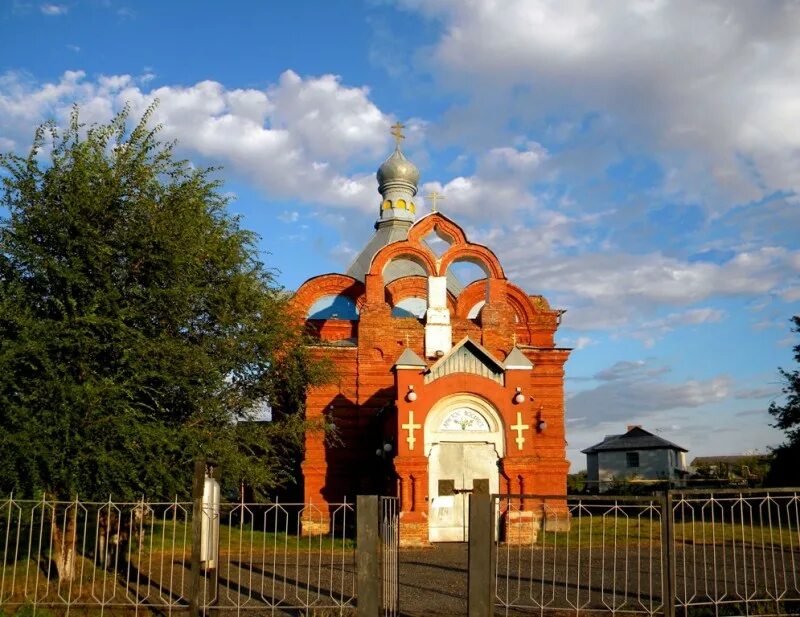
x,y
397,170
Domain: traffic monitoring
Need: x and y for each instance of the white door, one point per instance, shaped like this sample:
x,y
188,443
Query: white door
x,y
455,470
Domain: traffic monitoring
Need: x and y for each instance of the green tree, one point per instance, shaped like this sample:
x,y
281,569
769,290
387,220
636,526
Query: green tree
x,y
577,482
137,324
787,418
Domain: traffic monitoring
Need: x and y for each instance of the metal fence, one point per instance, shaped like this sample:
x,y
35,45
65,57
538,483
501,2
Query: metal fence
x,y
726,553
390,556
145,556
736,551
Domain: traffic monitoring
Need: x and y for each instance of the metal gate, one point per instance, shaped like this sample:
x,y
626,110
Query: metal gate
x,y
389,545
726,551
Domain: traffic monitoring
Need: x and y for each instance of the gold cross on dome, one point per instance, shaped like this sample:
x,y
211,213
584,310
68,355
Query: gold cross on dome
x,y
397,132
519,427
410,426
434,197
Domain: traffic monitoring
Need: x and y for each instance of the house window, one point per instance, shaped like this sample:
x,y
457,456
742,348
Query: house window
x,y
632,458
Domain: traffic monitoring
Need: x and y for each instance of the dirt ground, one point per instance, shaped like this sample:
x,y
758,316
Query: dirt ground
x,y
433,581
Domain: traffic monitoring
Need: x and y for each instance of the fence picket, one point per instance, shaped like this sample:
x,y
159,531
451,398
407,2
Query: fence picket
x,y
733,552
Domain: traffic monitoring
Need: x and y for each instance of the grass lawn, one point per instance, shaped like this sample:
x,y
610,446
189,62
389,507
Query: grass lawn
x,y
242,538
609,531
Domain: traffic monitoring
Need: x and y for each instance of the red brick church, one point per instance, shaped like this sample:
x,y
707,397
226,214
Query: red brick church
x,y
441,389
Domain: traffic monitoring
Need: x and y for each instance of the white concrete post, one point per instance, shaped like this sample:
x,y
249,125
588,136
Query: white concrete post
x,y
438,332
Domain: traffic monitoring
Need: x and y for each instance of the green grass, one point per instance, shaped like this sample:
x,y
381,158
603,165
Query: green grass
x,y
169,542
598,531
167,534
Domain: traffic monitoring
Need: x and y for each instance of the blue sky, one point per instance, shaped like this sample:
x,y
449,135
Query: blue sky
x,y
637,163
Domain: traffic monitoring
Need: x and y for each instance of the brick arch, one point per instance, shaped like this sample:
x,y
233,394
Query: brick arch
x,y
439,223
404,248
469,297
521,303
473,253
327,285
516,298
413,287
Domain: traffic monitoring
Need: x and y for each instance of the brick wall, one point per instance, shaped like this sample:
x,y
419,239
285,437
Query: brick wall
x,y
366,399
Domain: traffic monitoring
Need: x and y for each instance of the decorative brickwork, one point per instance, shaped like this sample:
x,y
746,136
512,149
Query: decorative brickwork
x,y
382,442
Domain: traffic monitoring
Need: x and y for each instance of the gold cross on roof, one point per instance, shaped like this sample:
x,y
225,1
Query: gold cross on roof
x,y
397,133
434,197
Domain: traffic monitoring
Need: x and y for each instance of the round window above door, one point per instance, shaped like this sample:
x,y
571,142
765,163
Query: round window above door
x,y
464,419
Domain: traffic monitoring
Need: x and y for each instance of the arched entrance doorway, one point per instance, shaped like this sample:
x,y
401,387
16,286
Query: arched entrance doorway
x,y
463,443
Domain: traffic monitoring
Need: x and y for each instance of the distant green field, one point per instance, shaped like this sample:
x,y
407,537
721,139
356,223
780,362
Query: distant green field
x,y
167,534
620,531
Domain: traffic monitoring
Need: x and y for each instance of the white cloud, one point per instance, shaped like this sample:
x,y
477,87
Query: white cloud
x,y
501,181
504,161
289,217
649,331
631,370
635,389
293,139
769,392
472,196
299,137
582,342
713,87
606,289
52,10
332,122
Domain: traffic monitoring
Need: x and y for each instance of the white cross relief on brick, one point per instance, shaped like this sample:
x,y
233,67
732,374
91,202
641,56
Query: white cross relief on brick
x,y
410,426
519,427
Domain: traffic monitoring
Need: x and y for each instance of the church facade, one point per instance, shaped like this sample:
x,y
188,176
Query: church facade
x,y
440,389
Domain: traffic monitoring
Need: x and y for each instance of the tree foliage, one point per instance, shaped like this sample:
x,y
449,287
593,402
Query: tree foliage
x,y
137,323
786,463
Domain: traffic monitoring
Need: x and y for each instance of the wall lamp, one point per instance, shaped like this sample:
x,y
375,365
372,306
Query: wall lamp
x,y
411,396
385,450
519,397
541,425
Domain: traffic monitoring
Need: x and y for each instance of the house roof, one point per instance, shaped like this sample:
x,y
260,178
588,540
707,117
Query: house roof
x,y
635,439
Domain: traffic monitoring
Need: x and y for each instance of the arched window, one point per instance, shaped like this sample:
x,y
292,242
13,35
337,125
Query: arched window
x,y
333,307
476,310
410,307
464,419
468,271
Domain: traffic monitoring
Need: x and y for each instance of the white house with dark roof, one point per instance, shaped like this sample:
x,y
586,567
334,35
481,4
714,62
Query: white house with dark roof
x,y
636,454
